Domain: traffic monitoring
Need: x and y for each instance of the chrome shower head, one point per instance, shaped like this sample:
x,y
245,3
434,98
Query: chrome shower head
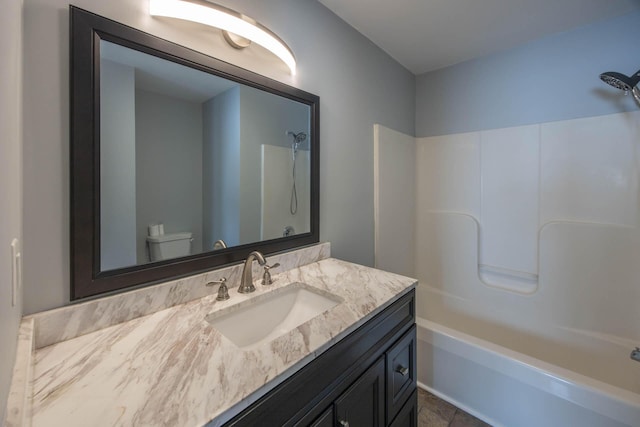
x,y
622,82
618,80
298,137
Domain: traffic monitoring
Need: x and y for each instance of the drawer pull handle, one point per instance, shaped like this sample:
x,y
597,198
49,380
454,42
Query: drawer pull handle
x,y
343,423
402,370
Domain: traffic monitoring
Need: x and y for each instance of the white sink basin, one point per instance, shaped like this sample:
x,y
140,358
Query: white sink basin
x,y
268,316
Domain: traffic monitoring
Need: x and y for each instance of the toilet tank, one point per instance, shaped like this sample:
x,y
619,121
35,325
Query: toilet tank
x,y
166,246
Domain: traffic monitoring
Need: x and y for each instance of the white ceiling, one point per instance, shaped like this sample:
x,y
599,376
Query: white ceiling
x,y
424,35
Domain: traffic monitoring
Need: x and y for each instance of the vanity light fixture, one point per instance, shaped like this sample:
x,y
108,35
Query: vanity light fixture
x,y
239,30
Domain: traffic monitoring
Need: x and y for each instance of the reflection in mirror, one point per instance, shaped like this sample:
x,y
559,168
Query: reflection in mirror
x,y
191,162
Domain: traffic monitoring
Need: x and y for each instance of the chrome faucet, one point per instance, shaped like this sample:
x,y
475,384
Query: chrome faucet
x,y
246,283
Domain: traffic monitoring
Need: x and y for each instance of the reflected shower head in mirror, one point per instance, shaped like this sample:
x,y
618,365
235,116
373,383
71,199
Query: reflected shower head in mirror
x,y
297,137
623,82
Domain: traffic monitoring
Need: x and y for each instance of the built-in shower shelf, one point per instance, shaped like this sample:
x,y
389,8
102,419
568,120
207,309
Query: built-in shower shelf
x,y
510,280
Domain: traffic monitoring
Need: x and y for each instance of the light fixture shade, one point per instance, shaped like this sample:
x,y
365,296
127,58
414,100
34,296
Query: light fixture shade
x,y
225,19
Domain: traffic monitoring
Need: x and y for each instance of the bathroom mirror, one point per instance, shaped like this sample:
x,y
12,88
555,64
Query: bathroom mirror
x,y
180,162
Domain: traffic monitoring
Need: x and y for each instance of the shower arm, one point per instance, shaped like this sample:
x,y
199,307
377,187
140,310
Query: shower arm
x,y
635,81
636,94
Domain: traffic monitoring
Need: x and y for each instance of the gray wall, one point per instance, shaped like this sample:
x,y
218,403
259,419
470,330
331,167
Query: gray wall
x,y
168,167
10,184
554,78
220,168
358,84
117,166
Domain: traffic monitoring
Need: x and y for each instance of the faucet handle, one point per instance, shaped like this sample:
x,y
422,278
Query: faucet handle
x,y
223,291
266,277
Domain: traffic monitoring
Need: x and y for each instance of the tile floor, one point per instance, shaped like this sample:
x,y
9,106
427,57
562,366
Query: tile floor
x,y
435,412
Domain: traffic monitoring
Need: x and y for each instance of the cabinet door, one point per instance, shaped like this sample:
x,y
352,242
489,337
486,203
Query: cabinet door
x,y
362,405
408,415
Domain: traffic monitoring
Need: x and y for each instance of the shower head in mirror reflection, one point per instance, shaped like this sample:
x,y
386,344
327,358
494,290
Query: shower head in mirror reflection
x,y
297,137
623,82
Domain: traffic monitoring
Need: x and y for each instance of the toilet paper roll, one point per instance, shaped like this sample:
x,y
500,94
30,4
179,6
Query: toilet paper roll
x,y
161,229
154,230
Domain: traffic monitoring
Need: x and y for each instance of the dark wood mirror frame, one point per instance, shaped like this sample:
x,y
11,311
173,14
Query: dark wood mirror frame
x,y
87,30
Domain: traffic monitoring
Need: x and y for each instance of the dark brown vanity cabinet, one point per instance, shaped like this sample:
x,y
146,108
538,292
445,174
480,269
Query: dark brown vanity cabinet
x,y
366,379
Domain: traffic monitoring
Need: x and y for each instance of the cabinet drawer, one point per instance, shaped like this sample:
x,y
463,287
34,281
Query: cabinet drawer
x,y
400,372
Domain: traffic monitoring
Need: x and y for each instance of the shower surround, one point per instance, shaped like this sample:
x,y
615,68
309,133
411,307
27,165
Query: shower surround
x,y
525,242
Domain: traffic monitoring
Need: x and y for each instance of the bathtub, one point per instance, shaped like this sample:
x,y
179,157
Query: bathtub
x,y
507,388
555,355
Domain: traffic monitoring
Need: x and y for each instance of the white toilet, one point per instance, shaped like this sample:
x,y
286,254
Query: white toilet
x,y
166,246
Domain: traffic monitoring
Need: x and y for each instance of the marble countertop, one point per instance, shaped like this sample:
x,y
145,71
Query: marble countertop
x,y
173,368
